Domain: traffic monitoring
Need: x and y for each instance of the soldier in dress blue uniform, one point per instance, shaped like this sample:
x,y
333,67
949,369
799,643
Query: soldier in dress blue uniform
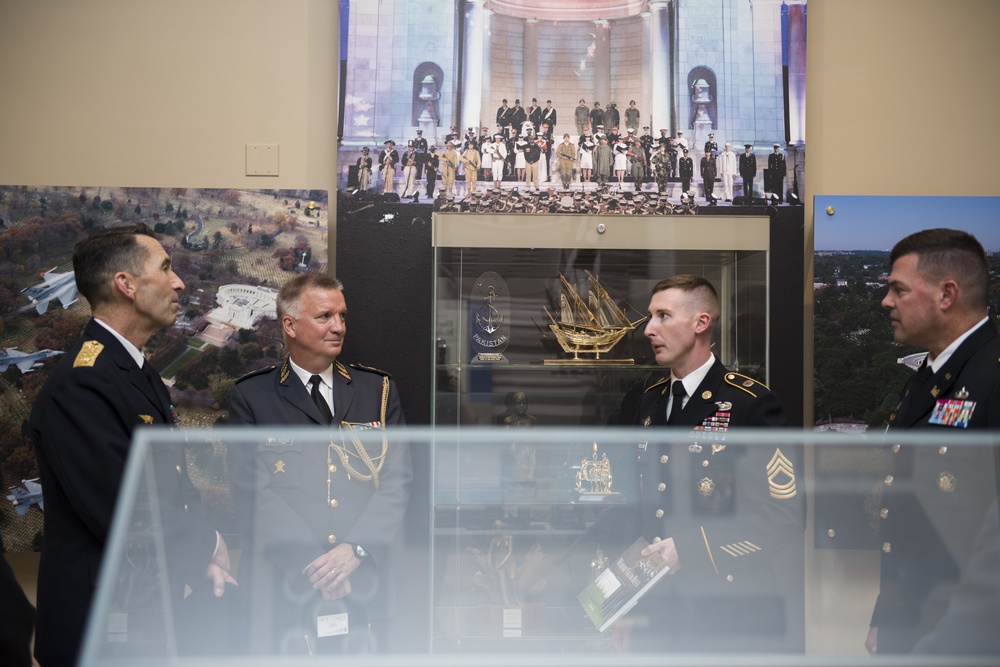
x,y
722,516
321,515
935,499
82,424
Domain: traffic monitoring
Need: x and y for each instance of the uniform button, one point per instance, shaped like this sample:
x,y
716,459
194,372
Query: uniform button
x,y
185,507
729,577
334,502
942,451
888,480
178,468
664,458
659,514
331,539
895,449
886,547
333,468
831,533
884,513
704,464
656,539
661,486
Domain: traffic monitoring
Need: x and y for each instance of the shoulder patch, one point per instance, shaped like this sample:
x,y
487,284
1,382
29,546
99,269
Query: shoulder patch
x,y
655,385
745,383
88,354
362,367
266,369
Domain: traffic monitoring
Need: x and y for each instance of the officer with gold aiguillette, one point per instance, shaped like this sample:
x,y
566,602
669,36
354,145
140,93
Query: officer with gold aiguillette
x,y
320,513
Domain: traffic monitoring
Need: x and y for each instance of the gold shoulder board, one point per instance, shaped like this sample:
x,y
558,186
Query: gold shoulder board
x,y
88,354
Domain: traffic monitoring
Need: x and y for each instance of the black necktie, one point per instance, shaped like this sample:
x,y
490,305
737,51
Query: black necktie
x,y
324,407
677,389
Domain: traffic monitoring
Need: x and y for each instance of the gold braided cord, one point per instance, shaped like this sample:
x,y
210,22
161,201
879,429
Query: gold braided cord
x,y
373,465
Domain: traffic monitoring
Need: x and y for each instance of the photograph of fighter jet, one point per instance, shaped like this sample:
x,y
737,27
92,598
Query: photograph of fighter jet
x,y
61,286
27,496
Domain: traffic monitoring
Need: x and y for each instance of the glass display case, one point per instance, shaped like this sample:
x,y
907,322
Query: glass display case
x,y
551,309
539,322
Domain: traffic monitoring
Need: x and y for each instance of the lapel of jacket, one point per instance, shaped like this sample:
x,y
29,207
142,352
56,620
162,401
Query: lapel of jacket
x,y
923,398
294,392
127,365
343,392
702,402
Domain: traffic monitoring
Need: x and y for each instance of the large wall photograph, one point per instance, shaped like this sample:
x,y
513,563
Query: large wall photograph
x,y
859,371
232,248
511,78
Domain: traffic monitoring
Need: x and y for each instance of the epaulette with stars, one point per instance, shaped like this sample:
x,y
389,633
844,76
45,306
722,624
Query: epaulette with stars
x,y
265,369
745,383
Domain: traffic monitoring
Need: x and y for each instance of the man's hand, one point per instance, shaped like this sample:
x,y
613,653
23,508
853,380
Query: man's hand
x,y
218,570
871,641
621,635
668,550
329,573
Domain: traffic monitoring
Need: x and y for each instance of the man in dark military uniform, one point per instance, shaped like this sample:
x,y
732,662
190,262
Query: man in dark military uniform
x,y
747,163
711,146
82,424
646,141
321,515
935,498
432,162
597,117
420,145
776,173
685,167
505,115
708,172
722,517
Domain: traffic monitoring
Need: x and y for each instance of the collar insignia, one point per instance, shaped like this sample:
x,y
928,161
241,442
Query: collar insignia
x,y
146,419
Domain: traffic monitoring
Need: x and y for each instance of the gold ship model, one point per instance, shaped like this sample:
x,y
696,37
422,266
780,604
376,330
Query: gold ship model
x,y
591,327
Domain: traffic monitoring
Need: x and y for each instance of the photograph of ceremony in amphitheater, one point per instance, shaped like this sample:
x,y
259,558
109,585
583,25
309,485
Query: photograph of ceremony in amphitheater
x,y
623,107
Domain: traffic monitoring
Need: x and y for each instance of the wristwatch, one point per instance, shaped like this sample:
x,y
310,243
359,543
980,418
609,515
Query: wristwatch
x,y
360,552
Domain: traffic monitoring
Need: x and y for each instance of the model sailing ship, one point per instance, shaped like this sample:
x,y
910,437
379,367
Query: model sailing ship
x,y
593,326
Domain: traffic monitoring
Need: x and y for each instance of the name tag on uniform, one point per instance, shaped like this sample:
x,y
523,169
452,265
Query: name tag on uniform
x,y
331,625
951,412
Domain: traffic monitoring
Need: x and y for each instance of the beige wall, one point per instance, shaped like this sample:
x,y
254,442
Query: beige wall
x,y
902,100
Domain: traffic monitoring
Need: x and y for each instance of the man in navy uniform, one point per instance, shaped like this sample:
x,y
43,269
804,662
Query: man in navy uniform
x,y
321,515
82,424
747,163
721,516
935,499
